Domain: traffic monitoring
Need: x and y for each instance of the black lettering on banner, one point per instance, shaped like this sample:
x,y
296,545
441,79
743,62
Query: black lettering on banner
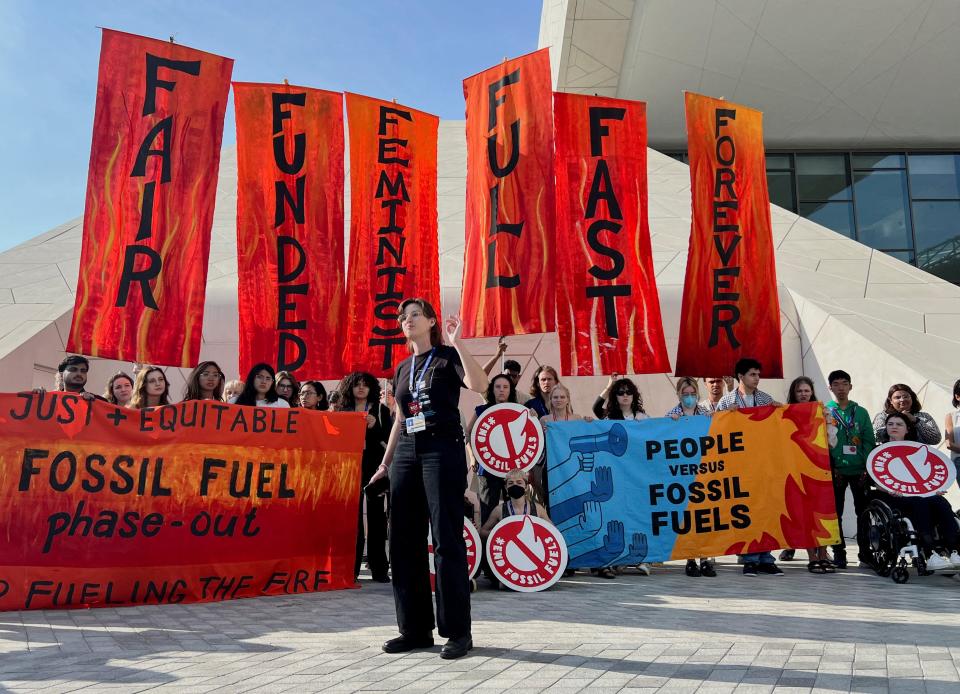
x,y
602,190
726,234
497,96
162,130
291,348
390,266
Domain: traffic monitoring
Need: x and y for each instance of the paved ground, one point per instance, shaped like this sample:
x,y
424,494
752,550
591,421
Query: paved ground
x,y
847,632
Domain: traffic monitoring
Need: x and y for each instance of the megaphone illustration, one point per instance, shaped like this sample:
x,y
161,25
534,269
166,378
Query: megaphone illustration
x,y
613,442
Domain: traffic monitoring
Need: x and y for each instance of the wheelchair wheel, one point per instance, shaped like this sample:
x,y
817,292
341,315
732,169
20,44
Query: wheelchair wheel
x,y
900,574
880,526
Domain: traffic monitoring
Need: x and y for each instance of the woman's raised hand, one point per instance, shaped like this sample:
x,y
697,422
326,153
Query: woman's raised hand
x,y
454,328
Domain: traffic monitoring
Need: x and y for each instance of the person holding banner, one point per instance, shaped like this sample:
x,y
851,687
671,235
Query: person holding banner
x,y
205,382
119,389
427,466
902,399
150,389
360,392
259,389
621,399
802,390
688,393
544,379
313,396
927,514
500,390
747,393
72,377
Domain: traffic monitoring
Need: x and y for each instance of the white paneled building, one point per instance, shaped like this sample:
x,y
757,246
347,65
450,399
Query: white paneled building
x,y
860,101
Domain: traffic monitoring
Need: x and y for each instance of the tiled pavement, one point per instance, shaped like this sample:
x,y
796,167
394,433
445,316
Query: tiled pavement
x,y
850,632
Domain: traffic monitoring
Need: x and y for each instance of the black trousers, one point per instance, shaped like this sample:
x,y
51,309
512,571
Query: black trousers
x,y
927,514
858,488
376,536
427,480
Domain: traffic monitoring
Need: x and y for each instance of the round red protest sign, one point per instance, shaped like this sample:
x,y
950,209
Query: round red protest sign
x,y
506,437
526,553
472,539
909,468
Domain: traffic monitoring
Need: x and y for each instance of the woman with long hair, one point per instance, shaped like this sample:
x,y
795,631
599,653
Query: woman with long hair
x,y
688,405
119,389
902,399
288,388
427,467
621,399
259,389
205,382
500,390
544,379
150,389
802,390
360,392
313,396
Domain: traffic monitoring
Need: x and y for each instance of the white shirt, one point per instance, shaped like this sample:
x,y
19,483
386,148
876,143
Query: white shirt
x,y
279,402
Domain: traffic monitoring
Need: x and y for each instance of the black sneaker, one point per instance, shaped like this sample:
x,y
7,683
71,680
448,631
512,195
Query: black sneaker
x,y
456,648
691,569
706,569
749,569
787,555
840,559
770,569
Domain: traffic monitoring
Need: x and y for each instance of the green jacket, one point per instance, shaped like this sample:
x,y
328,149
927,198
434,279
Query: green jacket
x,y
858,432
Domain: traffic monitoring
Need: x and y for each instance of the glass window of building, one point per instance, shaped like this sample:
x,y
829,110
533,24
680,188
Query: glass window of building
x,y
837,215
935,176
822,177
883,217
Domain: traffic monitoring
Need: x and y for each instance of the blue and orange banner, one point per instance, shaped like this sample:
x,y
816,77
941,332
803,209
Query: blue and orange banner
x,y
194,502
744,481
731,308
151,185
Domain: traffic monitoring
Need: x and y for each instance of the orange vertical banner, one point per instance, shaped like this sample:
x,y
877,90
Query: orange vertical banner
x,y
290,228
730,303
151,186
508,277
607,303
393,227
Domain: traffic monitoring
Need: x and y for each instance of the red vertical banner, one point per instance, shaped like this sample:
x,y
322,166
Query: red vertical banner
x,y
290,228
508,277
151,187
730,303
393,227
607,304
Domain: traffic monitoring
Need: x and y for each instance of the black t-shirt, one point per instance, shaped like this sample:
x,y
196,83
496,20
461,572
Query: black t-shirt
x,y
440,394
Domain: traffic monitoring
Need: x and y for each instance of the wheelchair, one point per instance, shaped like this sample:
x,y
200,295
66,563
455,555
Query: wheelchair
x,y
892,542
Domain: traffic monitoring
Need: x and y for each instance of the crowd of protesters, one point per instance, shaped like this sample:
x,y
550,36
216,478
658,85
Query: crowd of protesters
x,y
410,474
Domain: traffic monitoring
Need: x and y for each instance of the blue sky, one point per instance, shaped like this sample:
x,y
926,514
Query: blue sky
x,y
417,52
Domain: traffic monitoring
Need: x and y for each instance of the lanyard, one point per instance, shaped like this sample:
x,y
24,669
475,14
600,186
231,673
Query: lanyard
x,y
513,510
840,418
415,391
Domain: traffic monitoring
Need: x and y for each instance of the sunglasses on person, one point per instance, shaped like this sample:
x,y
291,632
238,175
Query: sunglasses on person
x,y
624,392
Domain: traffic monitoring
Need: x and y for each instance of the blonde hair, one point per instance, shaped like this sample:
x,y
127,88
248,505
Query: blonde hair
x,y
685,382
553,413
517,473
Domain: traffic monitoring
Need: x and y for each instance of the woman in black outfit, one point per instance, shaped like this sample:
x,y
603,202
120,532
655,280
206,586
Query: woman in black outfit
x,y
427,466
360,392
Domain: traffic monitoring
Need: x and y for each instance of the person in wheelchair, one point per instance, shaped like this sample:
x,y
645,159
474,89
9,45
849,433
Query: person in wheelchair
x,y
932,517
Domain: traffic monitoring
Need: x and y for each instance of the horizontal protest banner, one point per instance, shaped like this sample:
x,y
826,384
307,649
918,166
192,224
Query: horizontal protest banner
x,y
199,501
743,481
